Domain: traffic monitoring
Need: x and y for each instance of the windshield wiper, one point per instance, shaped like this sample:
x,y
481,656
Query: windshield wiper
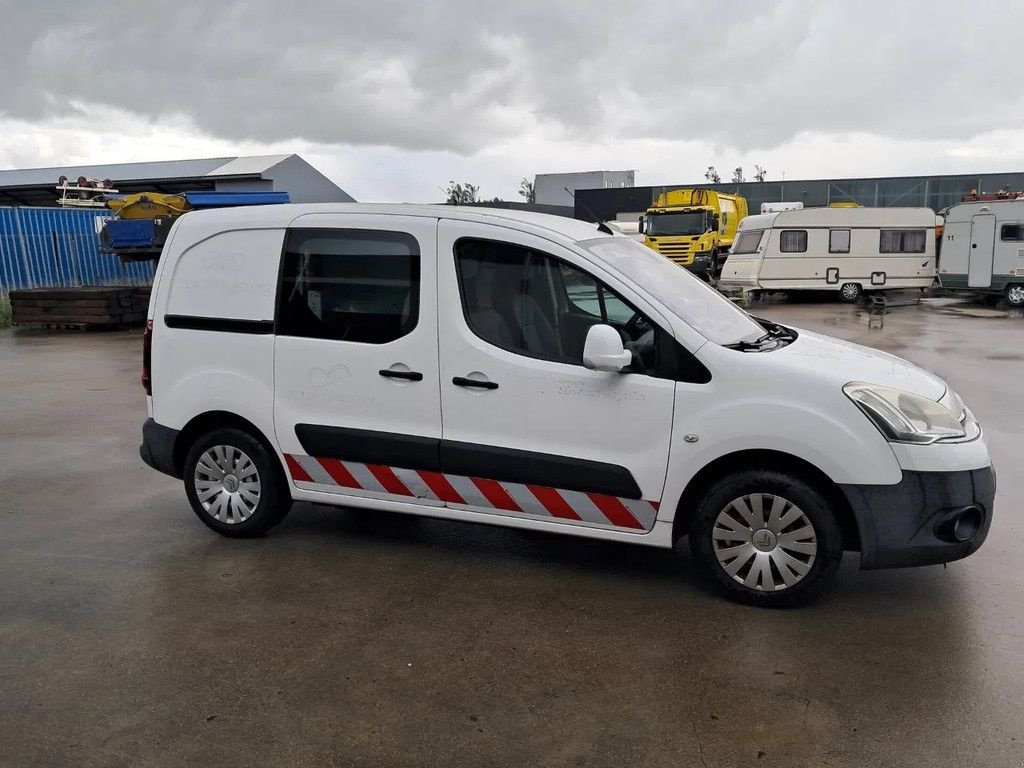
x,y
745,345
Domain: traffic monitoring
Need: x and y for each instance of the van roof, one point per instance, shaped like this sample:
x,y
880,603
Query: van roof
x,y
283,215
840,217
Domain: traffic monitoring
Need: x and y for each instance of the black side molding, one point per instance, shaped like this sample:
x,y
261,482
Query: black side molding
x,y
528,467
468,459
370,447
222,324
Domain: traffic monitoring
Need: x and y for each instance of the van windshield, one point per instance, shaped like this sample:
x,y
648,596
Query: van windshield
x,y
701,306
683,223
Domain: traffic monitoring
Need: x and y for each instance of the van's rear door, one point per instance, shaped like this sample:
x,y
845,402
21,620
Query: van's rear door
x,y
357,403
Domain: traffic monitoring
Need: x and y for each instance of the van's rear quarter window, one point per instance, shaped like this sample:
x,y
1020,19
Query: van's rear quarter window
x,y
353,285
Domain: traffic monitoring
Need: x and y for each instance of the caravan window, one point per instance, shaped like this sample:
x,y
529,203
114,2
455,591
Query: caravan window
x,y
901,241
747,242
839,241
1012,233
793,241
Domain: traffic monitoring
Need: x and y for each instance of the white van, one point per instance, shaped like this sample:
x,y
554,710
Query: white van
x,y
532,371
983,249
847,250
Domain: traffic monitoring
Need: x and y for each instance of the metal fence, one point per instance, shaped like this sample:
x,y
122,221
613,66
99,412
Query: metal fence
x,y
57,247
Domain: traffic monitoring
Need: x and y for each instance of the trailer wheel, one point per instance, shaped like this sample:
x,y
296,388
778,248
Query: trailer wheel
x,y
850,293
1015,295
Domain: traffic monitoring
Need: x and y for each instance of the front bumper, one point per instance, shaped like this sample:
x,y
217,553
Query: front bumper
x,y
914,522
157,448
700,267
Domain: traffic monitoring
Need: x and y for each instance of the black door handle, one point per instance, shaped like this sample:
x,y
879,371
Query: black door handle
x,y
408,375
462,381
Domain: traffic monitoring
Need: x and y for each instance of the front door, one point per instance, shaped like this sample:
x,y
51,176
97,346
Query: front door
x,y
527,429
356,400
983,241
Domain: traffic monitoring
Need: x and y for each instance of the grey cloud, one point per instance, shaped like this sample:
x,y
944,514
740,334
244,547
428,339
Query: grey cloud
x,y
461,75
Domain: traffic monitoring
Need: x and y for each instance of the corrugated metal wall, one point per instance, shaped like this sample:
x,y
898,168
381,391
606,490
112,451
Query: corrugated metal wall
x,y
59,247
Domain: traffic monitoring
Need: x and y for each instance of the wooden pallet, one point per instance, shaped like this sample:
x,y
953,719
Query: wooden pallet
x,y
93,307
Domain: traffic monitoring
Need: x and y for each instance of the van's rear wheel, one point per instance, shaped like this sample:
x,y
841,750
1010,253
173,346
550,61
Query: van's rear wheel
x,y
767,538
850,293
1015,295
234,484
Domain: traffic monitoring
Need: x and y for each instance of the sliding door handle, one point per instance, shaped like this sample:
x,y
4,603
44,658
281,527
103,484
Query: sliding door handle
x,y
407,375
462,381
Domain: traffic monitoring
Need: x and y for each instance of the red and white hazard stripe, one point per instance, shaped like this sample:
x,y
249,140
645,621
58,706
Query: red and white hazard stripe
x,y
479,492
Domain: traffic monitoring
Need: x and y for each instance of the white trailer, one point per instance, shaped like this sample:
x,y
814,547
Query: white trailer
x,y
847,250
983,248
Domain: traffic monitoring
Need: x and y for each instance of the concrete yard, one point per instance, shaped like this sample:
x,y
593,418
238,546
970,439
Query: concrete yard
x,y
132,635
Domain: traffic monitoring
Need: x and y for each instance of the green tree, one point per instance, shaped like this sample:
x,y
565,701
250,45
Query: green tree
x,y
712,175
737,175
759,173
526,190
461,194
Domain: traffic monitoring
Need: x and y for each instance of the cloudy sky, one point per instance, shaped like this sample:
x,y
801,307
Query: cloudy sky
x,y
393,99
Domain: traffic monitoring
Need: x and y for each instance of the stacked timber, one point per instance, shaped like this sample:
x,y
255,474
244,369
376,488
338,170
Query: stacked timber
x,y
93,307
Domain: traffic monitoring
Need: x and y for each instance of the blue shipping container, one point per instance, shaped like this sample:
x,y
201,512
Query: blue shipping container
x,y
60,247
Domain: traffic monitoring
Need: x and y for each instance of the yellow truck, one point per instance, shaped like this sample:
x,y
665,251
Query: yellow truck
x,y
694,227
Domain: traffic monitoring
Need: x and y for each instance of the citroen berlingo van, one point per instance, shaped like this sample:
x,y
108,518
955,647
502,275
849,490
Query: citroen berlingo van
x,y
544,373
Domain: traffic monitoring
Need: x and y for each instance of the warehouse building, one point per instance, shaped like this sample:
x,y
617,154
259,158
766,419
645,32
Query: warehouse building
x,y
42,245
263,173
935,192
559,188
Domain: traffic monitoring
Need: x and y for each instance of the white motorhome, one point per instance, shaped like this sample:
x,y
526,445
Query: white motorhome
x,y
541,373
847,250
983,248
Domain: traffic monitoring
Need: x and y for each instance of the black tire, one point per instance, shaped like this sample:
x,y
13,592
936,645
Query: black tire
x,y
1014,295
273,499
802,496
850,293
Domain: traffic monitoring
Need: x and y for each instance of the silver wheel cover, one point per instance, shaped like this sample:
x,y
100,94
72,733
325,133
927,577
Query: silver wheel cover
x,y
227,484
1015,294
764,542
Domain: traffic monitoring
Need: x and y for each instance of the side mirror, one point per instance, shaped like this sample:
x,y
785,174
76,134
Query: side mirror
x,y
603,350
641,226
714,222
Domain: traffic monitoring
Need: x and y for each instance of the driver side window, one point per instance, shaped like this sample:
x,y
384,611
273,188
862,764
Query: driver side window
x,y
535,305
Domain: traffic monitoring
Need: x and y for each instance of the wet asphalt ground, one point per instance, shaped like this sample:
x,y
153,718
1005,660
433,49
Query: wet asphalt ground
x,y
132,635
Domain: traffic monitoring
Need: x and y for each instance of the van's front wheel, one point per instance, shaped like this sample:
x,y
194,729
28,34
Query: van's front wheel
x,y
234,485
766,538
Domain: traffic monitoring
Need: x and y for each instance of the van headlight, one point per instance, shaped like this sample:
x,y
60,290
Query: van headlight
x,y
904,417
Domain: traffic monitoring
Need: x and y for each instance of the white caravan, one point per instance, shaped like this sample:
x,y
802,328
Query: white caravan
x,y
983,248
847,250
534,372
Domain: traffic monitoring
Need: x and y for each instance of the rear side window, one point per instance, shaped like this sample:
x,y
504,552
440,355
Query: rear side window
x,y
747,242
354,285
901,241
839,241
793,241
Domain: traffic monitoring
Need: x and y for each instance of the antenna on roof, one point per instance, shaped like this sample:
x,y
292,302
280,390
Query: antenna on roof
x,y
601,226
